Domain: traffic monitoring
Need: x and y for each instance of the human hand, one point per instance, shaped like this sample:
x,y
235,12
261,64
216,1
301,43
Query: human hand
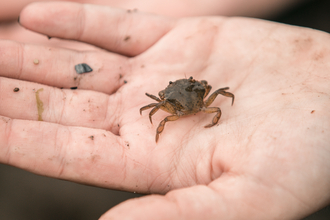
x,y
267,158
9,11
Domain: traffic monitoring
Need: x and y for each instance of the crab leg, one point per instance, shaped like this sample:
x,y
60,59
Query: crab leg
x,y
147,107
154,110
215,118
162,124
207,90
221,91
153,97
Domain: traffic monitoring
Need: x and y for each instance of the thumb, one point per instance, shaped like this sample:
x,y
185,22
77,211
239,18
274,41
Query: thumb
x,y
197,202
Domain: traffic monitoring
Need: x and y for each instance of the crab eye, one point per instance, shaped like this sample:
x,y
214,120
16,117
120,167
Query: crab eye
x,y
191,79
161,94
170,82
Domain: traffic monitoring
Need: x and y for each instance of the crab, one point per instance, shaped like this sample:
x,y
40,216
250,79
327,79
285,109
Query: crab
x,y
185,97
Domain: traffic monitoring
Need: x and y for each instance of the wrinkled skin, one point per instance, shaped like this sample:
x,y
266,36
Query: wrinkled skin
x,y
269,159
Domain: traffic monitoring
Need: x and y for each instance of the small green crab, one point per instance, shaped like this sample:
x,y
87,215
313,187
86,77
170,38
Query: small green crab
x,y
185,97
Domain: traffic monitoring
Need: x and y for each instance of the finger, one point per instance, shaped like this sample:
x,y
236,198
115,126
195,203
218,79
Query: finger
x,y
83,108
90,156
198,202
235,200
10,10
78,154
56,67
15,32
117,30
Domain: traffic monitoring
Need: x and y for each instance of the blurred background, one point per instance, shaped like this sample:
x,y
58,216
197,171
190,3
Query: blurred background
x,y
26,196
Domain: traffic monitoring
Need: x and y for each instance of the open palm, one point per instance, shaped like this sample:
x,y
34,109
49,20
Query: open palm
x,y
267,157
